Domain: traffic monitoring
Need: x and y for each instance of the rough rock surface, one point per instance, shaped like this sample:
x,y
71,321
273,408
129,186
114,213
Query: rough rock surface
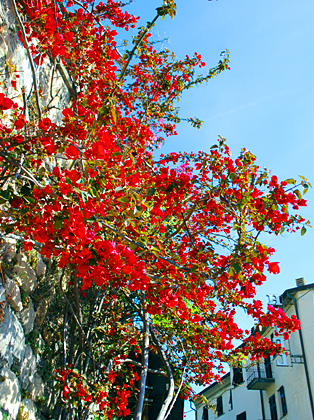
x,y
36,388
13,292
29,408
10,393
40,268
28,367
14,60
19,375
25,275
12,339
27,317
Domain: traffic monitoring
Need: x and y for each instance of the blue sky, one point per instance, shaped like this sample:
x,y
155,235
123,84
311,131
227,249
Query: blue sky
x,y
265,103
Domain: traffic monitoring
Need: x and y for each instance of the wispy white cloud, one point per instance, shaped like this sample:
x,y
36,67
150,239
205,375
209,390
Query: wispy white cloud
x,y
252,104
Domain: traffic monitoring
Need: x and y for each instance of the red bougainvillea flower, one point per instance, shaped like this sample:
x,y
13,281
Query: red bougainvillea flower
x,y
45,124
67,113
5,103
28,246
72,152
273,268
286,335
20,122
99,150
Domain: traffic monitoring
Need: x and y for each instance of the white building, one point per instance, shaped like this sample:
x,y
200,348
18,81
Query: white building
x,y
278,387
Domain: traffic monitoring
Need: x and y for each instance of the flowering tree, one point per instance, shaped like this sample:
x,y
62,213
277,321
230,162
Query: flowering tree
x,y
151,255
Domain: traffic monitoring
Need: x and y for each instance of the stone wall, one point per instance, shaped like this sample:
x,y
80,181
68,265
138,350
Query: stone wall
x,y
52,77
21,386
22,390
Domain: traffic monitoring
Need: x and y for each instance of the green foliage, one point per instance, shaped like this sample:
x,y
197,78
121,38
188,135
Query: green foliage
x,y
32,338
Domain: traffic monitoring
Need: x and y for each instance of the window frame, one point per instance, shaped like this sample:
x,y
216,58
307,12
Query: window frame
x,y
205,414
273,407
219,406
237,371
241,416
268,367
283,401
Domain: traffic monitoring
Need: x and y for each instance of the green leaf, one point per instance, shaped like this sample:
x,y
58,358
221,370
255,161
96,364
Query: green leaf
x,y
30,200
290,181
9,229
24,211
118,189
138,210
84,196
95,191
25,190
231,271
171,187
123,199
237,267
5,195
58,224
303,231
305,188
114,115
298,194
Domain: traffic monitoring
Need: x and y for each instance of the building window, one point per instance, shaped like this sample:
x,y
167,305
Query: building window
x,y
283,403
282,358
269,373
205,413
219,408
237,376
230,400
241,416
273,408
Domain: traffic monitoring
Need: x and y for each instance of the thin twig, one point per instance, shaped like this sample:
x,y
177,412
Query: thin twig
x,y
138,364
187,229
145,354
144,247
18,18
62,72
131,54
75,319
64,334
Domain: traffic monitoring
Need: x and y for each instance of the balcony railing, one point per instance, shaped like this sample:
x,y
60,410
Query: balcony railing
x,y
296,358
259,378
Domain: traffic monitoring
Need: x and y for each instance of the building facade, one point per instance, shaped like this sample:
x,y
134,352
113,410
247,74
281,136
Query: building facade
x,y
280,386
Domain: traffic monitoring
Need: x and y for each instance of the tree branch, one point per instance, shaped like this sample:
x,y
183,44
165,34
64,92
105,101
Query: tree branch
x,y
31,62
143,377
131,54
76,320
138,364
179,389
169,398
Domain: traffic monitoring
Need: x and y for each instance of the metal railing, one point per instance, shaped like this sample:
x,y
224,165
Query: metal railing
x,y
257,373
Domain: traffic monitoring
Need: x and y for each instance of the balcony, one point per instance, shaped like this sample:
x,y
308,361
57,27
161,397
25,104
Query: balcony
x,y
259,378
